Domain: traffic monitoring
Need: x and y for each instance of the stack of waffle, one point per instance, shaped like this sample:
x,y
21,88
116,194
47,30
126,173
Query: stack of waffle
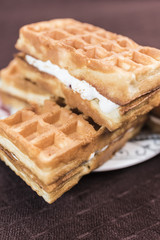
x,y
88,91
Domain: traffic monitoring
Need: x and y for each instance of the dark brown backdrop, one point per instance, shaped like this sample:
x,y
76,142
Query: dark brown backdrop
x,y
124,204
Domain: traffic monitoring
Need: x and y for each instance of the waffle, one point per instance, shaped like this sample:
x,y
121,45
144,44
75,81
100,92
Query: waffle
x,y
82,56
26,82
51,147
154,120
120,69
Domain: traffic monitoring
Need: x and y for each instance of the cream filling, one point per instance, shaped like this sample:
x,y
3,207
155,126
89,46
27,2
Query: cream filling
x,y
86,91
97,152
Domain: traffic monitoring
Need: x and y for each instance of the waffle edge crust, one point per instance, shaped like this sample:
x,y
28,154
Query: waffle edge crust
x,y
51,148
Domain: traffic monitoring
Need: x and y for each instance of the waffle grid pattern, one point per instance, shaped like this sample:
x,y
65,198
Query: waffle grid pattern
x,y
96,43
50,129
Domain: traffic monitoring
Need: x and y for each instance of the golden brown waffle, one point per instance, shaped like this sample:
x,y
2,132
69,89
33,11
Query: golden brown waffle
x,y
24,81
51,148
120,69
51,131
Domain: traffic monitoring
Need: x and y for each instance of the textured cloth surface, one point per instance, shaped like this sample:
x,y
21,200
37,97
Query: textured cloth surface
x,y
123,204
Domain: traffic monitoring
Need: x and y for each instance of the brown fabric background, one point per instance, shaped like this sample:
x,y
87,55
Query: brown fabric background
x,y
123,204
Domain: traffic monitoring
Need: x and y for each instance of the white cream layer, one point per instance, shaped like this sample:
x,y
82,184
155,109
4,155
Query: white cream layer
x,y
85,90
97,152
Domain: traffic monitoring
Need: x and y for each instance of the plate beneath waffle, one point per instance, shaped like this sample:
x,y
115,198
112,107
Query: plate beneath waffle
x,y
143,147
